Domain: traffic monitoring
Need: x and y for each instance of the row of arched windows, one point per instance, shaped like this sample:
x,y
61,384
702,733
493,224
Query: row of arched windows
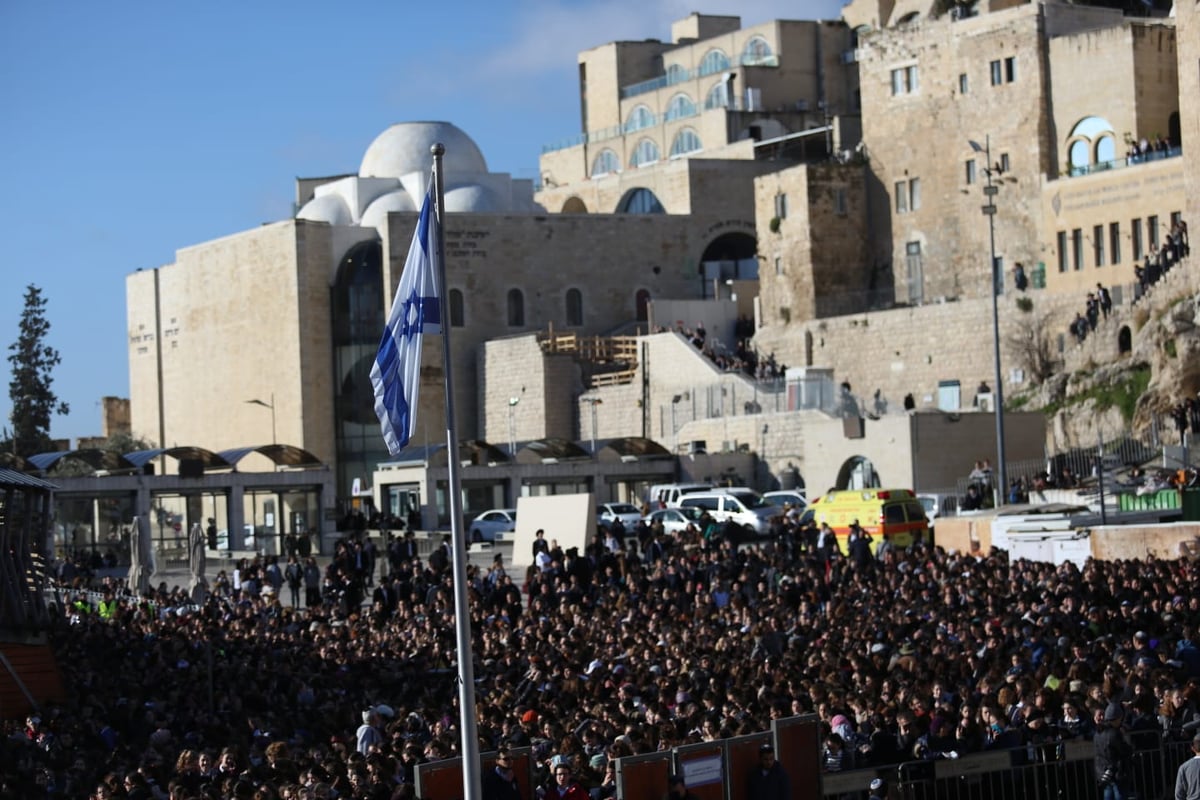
x,y
515,308
646,152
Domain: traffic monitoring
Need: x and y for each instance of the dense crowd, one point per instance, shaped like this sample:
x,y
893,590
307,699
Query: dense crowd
x,y
920,654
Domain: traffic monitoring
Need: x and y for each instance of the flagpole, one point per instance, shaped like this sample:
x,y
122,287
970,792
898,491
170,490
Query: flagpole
x,y
472,786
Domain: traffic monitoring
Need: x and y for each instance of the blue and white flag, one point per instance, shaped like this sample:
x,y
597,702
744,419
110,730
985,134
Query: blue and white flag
x,y
396,374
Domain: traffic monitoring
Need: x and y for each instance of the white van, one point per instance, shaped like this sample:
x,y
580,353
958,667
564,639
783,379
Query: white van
x,y
743,507
668,495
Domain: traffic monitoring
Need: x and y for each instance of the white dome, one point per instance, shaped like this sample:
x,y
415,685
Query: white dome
x,y
404,148
376,214
329,208
473,199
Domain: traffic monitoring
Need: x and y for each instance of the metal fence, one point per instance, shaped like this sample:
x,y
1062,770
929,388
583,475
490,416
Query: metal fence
x,y
1056,770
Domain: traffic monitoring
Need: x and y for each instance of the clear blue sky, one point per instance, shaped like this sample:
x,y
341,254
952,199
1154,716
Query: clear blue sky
x,y
132,129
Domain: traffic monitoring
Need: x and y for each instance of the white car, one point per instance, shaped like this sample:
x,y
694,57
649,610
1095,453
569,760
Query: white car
x,y
674,520
793,496
487,525
628,513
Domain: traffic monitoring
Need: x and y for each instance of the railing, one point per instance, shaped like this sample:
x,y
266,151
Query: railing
x,y
682,76
1119,163
1055,770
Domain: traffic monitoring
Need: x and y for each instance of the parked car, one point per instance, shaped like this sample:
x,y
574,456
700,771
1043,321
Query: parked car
x,y
628,513
675,520
486,526
785,496
742,507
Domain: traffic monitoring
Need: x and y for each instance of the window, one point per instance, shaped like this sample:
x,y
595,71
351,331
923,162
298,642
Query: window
x,y
606,161
839,201
646,152
778,265
640,117
713,61
1135,228
686,141
781,206
970,171
1003,71
676,74
640,201
516,308
1152,231
1005,164
756,51
916,277
908,195
456,308
574,307
997,74
1010,69
963,83
718,96
1062,251
680,106
1077,247
1114,241
1098,245
904,80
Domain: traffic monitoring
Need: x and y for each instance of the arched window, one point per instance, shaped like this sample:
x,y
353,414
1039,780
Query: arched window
x,y
639,118
1091,143
686,141
676,74
681,106
574,307
516,308
718,96
606,161
1080,157
456,308
714,61
1106,150
756,51
646,152
641,201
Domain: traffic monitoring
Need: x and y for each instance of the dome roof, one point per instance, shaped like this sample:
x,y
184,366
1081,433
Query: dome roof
x,y
376,214
404,148
329,208
473,199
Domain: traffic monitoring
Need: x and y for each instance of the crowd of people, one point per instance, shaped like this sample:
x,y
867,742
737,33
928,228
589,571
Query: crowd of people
x,y
1159,260
743,358
604,653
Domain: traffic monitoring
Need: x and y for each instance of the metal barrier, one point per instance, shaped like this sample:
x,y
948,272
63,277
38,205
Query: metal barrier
x,y
1056,770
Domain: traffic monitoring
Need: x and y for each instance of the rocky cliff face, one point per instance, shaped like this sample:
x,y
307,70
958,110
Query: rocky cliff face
x,y
1124,380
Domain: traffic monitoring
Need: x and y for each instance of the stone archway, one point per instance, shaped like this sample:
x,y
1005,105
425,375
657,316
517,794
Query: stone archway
x,y
857,472
574,205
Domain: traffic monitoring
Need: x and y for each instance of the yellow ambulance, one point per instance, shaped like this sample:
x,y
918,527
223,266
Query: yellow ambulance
x,y
892,514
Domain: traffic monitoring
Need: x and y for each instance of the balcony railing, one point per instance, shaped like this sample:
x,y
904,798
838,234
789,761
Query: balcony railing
x,y
1121,163
681,76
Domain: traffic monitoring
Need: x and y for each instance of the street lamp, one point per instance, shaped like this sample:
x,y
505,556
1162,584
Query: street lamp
x,y
593,401
989,210
270,405
512,425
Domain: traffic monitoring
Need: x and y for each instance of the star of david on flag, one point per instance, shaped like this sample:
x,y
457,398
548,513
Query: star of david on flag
x,y
396,373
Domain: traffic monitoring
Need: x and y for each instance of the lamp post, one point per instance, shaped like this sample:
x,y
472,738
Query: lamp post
x,y
270,405
593,402
990,190
512,425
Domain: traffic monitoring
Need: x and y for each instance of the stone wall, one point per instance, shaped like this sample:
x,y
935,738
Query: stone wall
x,y
1187,27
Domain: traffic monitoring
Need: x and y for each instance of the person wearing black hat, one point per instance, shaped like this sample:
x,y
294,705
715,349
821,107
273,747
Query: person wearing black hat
x,y
768,781
1113,753
677,788
1187,780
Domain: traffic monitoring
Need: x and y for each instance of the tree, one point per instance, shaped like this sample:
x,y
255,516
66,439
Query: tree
x,y
33,400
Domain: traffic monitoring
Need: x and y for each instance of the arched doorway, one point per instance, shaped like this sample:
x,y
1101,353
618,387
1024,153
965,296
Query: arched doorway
x,y
574,206
731,256
1124,340
857,472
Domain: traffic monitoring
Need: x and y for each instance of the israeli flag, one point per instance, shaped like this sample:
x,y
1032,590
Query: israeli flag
x,y
396,374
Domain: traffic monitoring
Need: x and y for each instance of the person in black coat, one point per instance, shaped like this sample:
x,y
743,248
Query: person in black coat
x,y
501,782
768,781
